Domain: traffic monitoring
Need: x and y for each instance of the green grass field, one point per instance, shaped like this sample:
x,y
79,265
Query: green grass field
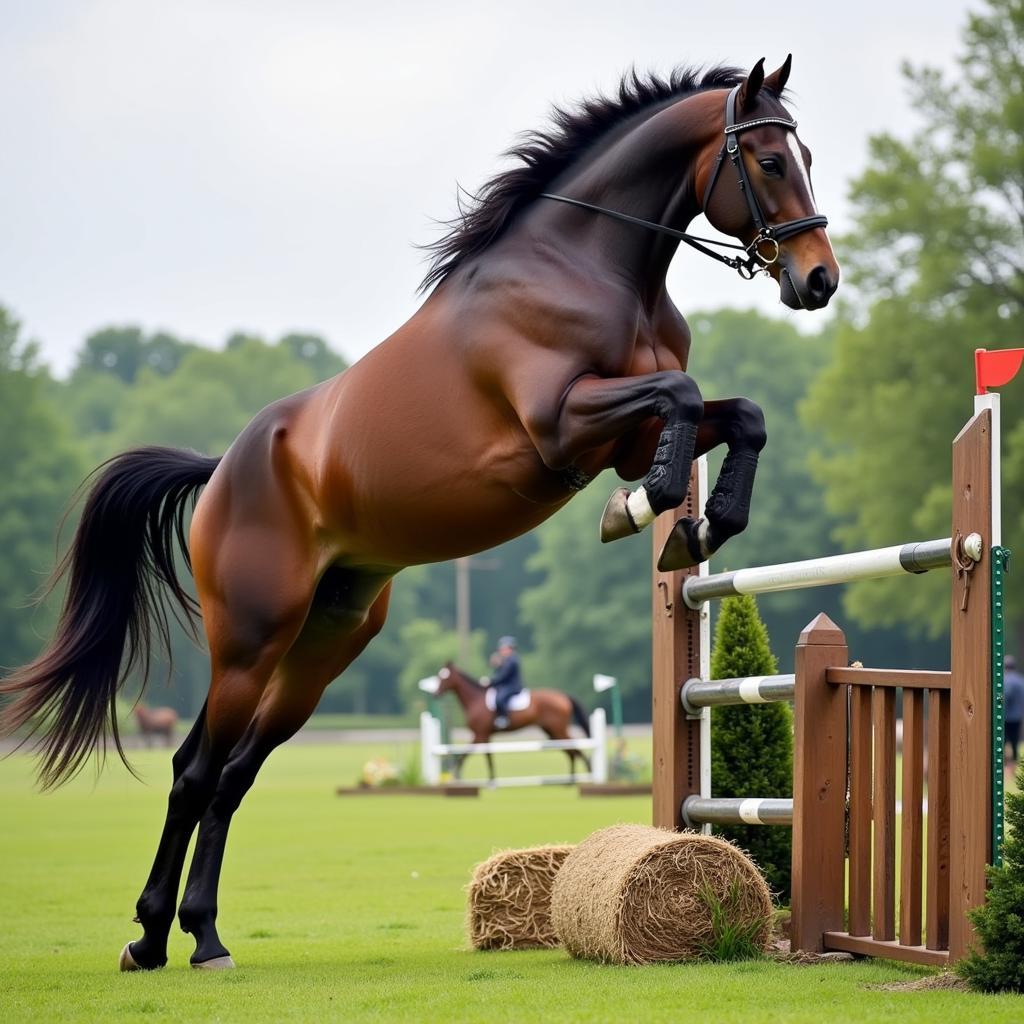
x,y
352,909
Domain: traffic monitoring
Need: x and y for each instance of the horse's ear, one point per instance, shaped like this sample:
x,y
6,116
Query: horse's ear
x,y
777,80
752,86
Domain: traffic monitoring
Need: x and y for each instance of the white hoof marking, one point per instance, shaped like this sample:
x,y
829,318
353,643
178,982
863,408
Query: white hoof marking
x,y
640,508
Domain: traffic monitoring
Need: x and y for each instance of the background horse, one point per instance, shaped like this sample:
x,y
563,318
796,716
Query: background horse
x,y
550,710
547,351
156,722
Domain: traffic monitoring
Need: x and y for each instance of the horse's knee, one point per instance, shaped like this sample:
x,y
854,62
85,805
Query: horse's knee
x,y
748,426
680,398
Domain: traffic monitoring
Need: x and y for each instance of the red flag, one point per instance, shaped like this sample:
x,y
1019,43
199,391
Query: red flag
x,y
992,369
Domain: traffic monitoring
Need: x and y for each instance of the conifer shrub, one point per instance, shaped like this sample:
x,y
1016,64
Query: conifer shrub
x,y
751,745
999,965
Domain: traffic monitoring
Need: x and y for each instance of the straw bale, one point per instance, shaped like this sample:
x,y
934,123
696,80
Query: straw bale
x,y
632,894
509,904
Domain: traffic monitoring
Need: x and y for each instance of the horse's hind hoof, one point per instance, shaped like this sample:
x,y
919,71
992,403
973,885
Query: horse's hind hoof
x,y
686,546
218,963
126,962
616,522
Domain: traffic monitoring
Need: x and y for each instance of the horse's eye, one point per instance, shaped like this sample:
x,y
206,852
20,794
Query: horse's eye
x,y
771,166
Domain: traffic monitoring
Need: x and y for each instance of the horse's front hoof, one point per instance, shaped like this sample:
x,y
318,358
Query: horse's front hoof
x,y
616,522
685,547
218,963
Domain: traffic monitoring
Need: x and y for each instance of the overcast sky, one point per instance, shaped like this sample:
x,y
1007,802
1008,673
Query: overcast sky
x,y
207,166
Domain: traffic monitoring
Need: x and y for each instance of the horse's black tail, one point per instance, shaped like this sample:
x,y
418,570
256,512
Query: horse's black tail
x,y
579,716
123,549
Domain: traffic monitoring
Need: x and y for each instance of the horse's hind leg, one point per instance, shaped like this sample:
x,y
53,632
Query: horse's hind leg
x,y
155,908
255,596
235,691
332,637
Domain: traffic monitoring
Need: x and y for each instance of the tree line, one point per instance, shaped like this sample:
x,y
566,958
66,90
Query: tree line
x,y
860,418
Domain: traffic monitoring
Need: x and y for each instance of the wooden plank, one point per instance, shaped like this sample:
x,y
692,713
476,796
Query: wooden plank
x,y
408,791
883,713
863,946
819,787
675,772
860,811
937,875
613,789
912,823
970,806
906,678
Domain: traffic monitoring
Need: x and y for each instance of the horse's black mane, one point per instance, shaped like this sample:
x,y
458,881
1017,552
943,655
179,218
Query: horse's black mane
x,y
543,154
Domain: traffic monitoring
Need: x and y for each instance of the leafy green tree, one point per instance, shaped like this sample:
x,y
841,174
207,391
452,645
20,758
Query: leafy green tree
x,y
591,612
211,396
124,352
42,466
999,965
751,744
315,352
935,257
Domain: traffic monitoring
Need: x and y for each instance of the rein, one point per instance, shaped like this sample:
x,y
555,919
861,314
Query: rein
x,y
756,262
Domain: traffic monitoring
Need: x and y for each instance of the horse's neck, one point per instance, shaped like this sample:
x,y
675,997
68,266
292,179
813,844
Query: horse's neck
x,y
470,695
649,172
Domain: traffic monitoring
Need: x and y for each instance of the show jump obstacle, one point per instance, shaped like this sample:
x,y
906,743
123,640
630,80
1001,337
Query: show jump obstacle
x,y
432,751
845,726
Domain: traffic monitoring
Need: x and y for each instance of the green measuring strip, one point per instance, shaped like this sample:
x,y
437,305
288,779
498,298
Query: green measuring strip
x,y
1000,565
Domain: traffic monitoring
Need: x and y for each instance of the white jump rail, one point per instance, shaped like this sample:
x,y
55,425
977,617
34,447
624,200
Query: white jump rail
x,y
916,557
432,750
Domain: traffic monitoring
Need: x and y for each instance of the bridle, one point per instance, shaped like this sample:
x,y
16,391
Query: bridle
x,y
757,261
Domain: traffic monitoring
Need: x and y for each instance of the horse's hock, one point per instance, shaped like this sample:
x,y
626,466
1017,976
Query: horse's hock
x,y
632,894
845,733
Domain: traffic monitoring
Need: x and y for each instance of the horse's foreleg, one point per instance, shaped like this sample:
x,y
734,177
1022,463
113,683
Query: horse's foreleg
x,y
490,767
595,412
738,423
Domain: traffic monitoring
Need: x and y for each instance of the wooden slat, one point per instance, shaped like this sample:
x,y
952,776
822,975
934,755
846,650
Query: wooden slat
x,y
890,950
675,772
970,807
912,825
883,707
819,787
937,875
860,811
906,678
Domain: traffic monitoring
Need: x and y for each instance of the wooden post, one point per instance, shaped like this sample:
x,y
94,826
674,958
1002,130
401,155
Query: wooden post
x,y
970,825
819,786
677,652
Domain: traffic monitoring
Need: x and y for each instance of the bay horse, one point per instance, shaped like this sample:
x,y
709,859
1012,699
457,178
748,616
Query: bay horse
x,y
550,343
156,722
550,710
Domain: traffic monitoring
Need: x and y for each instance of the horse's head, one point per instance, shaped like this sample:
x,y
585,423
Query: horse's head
x,y
756,186
445,681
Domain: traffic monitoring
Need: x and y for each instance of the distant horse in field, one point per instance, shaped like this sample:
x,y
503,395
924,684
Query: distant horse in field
x,y
547,351
550,710
156,722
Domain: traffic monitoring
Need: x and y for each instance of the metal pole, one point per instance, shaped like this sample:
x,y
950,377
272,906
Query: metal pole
x,y
462,623
702,810
916,557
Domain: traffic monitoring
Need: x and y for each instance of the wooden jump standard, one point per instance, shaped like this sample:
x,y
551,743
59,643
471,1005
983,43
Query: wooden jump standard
x,y
845,732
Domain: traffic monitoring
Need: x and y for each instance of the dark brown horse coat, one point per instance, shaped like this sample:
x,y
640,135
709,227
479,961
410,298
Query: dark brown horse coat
x,y
547,351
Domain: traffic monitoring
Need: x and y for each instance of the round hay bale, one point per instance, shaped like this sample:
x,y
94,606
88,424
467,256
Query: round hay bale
x,y
509,904
632,894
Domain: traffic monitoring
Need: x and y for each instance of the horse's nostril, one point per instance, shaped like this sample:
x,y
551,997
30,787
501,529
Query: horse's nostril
x,y
819,284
